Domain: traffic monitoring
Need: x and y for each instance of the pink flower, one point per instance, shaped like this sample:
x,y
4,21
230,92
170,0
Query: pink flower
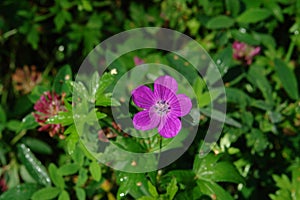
x,y
49,105
244,52
26,79
162,107
138,61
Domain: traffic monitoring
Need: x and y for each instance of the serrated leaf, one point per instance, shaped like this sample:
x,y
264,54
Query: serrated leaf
x,y
172,189
221,21
257,141
46,193
287,78
152,189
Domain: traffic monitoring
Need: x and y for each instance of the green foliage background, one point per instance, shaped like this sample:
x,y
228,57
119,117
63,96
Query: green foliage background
x,y
257,156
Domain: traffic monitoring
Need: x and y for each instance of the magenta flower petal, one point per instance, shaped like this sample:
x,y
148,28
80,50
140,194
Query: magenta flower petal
x,y
145,120
244,52
167,82
185,104
138,61
143,97
49,105
169,126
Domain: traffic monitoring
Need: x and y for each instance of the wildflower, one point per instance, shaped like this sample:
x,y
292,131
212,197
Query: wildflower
x,y
162,108
244,52
138,61
26,79
49,105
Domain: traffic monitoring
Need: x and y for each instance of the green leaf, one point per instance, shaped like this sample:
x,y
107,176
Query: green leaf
x,y
95,170
64,195
182,176
254,15
33,165
221,21
287,78
257,140
14,125
78,156
2,115
225,172
276,10
56,177
23,191
213,190
62,80
69,169
172,189
33,36
72,140
82,177
152,189
134,184
80,193
244,37
37,145
282,182
61,18
63,118
46,193
208,168
25,175
28,122
106,100
238,97
233,7
257,78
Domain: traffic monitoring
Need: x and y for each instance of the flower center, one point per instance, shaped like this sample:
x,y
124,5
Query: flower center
x,y
162,107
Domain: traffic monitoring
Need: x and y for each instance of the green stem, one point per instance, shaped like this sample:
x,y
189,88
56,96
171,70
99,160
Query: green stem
x,y
18,137
290,51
